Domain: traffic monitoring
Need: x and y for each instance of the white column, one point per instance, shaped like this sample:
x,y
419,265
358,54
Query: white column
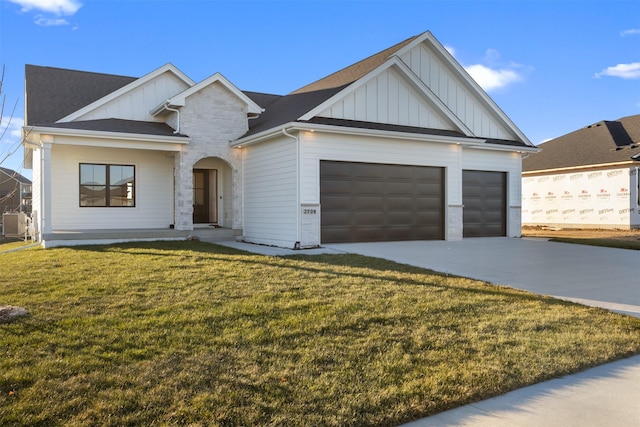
x,y
46,219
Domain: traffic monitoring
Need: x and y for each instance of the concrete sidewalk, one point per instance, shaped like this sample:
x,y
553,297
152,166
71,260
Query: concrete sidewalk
x,y
608,395
605,396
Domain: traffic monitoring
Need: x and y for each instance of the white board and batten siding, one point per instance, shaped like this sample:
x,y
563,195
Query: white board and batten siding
x,y
153,187
271,193
390,97
136,104
455,93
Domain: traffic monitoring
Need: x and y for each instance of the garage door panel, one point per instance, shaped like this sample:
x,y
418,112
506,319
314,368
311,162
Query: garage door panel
x,y
334,186
380,202
370,218
336,218
331,203
398,188
367,202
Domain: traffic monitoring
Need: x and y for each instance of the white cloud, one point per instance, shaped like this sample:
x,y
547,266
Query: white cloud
x,y
495,74
49,22
624,71
630,32
13,131
56,7
490,79
52,10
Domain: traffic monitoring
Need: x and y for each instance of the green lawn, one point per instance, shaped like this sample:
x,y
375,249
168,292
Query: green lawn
x,y
187,333
609,243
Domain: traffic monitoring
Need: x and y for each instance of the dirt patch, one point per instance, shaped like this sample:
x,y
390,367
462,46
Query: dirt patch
x,y
584,233
9,313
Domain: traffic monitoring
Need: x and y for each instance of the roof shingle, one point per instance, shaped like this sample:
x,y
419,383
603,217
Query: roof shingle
x,y
603,142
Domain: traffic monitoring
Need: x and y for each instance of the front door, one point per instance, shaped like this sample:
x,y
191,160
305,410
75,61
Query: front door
x,y
204,199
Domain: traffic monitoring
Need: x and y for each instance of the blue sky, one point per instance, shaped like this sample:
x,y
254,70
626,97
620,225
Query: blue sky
x,y
552,66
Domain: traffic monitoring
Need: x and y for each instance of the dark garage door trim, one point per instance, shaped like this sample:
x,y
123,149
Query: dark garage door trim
x,y
484,196
369,202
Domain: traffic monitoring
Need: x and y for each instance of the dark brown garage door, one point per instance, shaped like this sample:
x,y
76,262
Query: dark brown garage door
x,y
366,202
484,196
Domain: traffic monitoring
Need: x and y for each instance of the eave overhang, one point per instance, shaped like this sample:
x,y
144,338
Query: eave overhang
x,y
34,135
475,143
569,169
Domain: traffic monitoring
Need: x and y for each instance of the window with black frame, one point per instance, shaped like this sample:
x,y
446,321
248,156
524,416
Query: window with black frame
x,y
103,185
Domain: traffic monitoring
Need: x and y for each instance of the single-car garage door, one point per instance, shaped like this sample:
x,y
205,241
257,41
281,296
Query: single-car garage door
x,y
367,202
484,196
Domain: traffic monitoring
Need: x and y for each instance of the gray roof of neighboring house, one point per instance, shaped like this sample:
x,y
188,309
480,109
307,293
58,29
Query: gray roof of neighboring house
x,y
14,175
602,142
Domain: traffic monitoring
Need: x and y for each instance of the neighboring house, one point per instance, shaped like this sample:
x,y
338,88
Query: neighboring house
x,y
403,145
585,179
15,192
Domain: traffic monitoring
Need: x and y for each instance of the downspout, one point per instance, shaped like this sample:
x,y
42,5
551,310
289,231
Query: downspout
x,y
175,110
298,226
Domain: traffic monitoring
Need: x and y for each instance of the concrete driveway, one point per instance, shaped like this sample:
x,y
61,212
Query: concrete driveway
x,y
596,276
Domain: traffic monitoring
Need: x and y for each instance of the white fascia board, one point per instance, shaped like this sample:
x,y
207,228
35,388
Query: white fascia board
x,y
446,56
179,100
134,84
311,127
159,141
580,168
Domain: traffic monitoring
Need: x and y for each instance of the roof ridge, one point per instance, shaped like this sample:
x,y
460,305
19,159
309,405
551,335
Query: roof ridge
x,y
353,72
80,71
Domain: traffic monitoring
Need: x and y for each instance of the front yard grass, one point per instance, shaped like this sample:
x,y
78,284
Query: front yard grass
x,y
609,243
190,333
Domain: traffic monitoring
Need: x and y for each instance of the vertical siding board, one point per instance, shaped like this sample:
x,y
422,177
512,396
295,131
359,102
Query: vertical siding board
x,y
383,97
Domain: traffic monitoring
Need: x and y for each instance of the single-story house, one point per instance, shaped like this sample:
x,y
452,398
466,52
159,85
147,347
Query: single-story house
x,y
403,145
585,179
15,192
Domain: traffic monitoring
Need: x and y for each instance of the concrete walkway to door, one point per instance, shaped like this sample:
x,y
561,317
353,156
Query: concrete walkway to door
x,y
590,275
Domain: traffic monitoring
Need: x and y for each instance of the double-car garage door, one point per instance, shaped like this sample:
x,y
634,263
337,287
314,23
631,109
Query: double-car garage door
x,y
367,202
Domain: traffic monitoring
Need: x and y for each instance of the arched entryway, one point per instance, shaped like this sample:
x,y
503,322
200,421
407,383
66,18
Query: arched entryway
x,y
212,192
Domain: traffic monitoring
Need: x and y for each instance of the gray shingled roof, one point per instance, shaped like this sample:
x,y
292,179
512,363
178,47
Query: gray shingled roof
x,y
120,126
54,93
354,72
603,142
15,175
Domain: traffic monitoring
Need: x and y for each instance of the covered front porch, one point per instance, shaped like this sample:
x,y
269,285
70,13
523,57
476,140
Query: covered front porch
x,y
101,237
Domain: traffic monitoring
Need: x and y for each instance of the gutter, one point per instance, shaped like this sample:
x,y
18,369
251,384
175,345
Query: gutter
x,y
110,135
577,168
296,126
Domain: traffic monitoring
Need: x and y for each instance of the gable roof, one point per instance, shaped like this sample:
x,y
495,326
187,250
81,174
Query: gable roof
x,y
356,71
14,175
179,100
603,142
53,93
309,102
